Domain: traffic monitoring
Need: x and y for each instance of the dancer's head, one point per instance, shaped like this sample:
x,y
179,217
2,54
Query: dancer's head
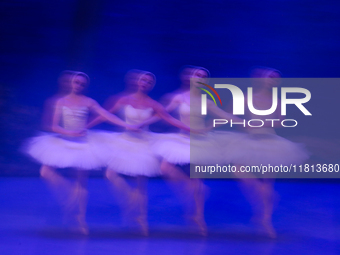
x,y
201,72
79,82
200,75
131,80
64,81
146,81
269,77
185,74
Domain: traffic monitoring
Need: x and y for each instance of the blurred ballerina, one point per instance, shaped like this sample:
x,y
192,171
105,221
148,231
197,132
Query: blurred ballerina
x,y
131,152
197,149
64,86
71,146
130,80
261,145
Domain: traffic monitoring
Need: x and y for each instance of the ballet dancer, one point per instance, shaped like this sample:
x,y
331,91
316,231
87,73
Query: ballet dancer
x,y
131,151
180,149
261,146
71,146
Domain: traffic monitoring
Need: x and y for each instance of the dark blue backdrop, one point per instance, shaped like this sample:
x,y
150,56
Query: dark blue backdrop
x,y
105,38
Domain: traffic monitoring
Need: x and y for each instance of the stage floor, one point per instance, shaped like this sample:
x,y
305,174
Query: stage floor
x,y
306,219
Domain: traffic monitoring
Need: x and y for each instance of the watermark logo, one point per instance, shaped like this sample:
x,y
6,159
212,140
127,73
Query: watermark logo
x,y
253,108
239,102
213,90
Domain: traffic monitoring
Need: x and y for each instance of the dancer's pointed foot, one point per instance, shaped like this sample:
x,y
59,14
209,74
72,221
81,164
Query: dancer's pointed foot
x,y
83,230
70,206
265,226
200,224
143,225
81,227
77,225
268,229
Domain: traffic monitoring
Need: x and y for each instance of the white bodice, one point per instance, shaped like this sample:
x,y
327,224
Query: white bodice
x,y
74,118
135,116
191,115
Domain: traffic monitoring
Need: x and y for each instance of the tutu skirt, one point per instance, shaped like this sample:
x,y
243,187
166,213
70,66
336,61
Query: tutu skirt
x,y
130,154
179,148
58,151
266,148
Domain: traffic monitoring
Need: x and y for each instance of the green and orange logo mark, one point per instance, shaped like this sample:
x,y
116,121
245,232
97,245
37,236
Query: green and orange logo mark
x,y
208,92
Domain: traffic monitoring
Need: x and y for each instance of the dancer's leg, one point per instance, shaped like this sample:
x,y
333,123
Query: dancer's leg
x,y
260,195
199,197
127,193
62,188
194,188
82,194
175,176
142,219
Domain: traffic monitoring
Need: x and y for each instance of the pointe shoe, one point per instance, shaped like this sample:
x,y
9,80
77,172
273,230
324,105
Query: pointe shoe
x,y
77,226
142,219
83,230
81,227
200,224
265,227
268,229
134,207
143,225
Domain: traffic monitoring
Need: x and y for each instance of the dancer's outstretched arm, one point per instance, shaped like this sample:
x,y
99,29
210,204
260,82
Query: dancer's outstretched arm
x,y
105,115
162,113
101,118
169,108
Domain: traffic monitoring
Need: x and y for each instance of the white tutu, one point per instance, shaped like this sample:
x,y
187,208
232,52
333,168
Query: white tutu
x,y
54,150
264,147
130,154
197,149
179,148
